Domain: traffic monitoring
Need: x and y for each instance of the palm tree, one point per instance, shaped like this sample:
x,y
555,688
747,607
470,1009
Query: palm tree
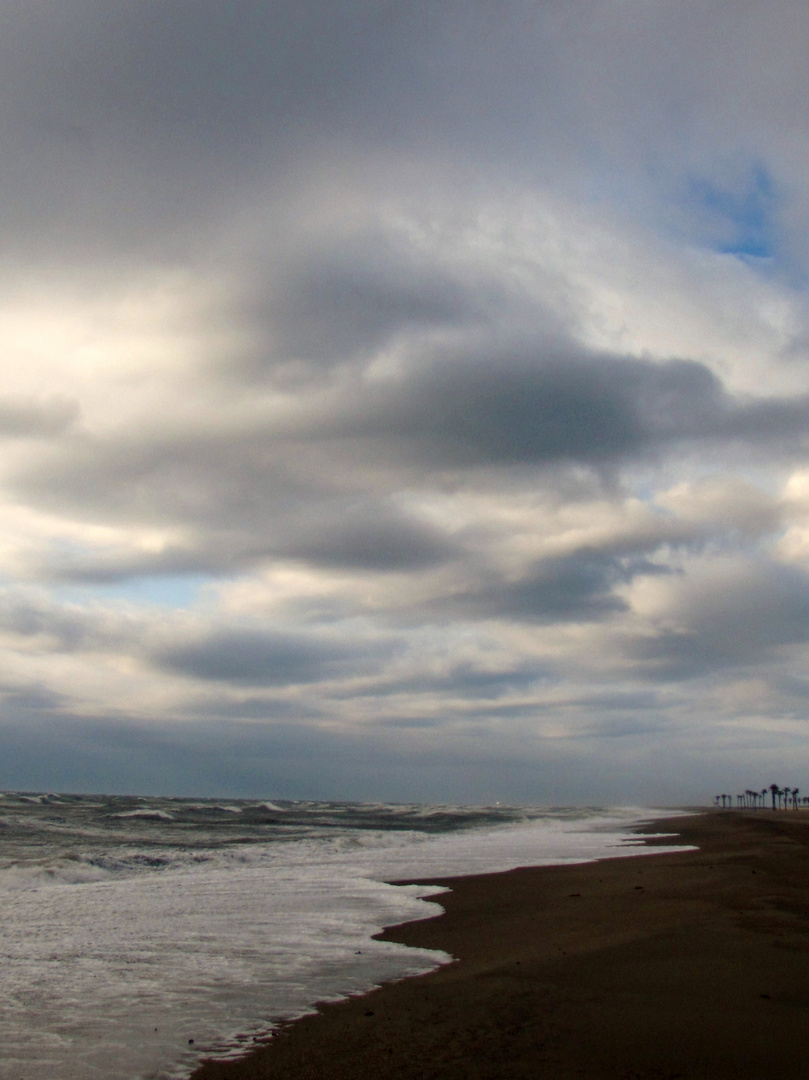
x,y
774,790
795,791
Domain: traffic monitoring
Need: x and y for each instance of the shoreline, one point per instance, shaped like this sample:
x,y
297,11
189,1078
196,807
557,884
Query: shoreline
x,y
690,964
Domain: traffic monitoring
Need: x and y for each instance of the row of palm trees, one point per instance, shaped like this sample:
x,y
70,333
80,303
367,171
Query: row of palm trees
x,y
782,798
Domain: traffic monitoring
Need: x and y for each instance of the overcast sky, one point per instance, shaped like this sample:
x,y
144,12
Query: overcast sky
x,y
404,400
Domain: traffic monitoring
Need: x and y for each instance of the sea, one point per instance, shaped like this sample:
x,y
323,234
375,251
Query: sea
x,y
141,935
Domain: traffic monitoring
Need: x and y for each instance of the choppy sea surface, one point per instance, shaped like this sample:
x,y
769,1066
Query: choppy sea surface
x,y
140,935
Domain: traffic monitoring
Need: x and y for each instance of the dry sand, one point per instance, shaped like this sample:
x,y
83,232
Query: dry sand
x,y
694,964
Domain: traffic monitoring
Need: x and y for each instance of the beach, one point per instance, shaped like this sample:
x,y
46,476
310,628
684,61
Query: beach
x,y
687,964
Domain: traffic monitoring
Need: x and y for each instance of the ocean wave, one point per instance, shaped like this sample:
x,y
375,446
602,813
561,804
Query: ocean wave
x,y
22,877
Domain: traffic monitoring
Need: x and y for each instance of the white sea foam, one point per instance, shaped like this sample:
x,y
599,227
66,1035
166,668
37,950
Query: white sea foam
x,y
120,974
24,877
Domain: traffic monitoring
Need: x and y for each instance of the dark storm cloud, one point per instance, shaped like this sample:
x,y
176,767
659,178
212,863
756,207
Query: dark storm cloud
x,y
369,541
126,123
347,303
131,123
504,410
474,682
224,73
742,623
266,658
512,408
774,422
126,114
574,588
465,680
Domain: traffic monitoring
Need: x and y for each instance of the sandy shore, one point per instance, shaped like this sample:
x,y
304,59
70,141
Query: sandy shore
x,y
685,965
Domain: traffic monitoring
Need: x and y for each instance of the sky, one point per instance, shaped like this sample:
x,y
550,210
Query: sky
x,y
404,401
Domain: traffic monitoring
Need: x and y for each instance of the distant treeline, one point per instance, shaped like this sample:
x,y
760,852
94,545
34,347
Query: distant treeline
x,y
783,798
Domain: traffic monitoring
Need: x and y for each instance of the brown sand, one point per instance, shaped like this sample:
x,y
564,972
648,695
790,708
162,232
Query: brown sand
x,y
692,964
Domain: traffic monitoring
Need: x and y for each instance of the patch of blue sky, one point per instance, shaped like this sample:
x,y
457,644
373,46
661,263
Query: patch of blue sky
x,y
740,218
175,591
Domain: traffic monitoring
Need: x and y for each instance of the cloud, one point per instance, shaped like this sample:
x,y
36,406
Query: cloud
x,y
348,303
597,411
22,418
731,615
367,539
465,680
586,409
441,371
37,620
577,588
264,658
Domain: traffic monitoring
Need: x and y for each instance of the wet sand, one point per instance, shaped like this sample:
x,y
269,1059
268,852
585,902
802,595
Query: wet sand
x,y
684,965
